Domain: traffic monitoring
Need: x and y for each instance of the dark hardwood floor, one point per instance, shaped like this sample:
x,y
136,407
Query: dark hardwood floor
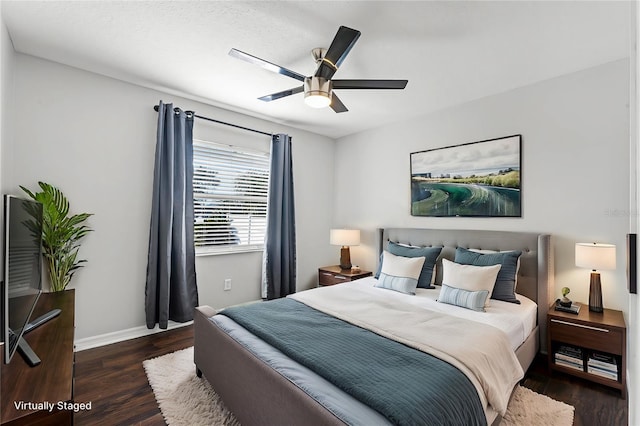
x,y
594,404
113,380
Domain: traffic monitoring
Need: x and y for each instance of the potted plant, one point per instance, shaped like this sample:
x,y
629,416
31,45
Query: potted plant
x,y
61,235
565,301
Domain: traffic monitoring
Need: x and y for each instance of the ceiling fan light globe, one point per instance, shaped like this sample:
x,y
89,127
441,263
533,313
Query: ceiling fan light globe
x,y
317,100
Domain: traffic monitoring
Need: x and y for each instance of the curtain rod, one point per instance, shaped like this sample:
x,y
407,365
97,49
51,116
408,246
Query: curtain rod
x,y
221,122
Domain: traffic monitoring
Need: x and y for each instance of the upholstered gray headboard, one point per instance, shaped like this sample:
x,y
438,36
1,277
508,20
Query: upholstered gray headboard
x,y
536,275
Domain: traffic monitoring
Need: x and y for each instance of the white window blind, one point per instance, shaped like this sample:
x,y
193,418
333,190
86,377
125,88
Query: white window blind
x,y
230,187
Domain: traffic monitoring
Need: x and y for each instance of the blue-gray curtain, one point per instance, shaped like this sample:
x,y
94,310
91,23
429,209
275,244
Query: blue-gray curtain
x,y
279,262
171,292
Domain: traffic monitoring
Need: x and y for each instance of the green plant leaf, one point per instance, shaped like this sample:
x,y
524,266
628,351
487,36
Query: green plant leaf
x,y
61,234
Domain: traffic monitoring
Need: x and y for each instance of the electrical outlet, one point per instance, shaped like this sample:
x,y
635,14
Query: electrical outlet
x,y
227,284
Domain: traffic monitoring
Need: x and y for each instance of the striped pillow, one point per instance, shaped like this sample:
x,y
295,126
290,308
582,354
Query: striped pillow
x,y
400,273
466,299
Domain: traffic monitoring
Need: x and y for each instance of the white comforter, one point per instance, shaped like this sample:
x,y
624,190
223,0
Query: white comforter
x,y
517,321
480,351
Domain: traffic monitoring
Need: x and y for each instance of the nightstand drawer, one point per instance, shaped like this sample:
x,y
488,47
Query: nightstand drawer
x,y
327,278
592,336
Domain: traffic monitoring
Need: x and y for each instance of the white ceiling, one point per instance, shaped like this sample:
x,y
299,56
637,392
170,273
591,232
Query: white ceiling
x,y
450,51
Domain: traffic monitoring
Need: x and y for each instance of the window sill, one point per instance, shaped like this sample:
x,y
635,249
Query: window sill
x,y
228,250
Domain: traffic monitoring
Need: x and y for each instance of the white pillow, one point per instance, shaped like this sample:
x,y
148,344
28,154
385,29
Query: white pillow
x,y
400,273
470,277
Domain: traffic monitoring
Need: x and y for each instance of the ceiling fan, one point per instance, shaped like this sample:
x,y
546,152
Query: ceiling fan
x,y
318,88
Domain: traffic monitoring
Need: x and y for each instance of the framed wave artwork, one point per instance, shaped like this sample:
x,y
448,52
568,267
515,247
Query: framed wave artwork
x,y
477,179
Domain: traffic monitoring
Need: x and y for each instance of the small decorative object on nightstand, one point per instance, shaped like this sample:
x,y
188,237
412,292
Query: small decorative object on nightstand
x,y
595,257
565,301
589,345
330,275
571,307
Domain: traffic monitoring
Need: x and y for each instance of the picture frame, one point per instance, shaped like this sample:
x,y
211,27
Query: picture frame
x,y
475,179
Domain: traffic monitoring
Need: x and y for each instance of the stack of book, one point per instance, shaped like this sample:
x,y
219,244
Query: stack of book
x,y
573,309
569,356
603,365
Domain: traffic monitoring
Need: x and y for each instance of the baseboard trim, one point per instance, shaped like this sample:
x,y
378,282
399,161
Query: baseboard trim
x,y
122,335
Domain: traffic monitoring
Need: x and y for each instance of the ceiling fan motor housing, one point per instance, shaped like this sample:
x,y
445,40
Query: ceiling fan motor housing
x,y
318,54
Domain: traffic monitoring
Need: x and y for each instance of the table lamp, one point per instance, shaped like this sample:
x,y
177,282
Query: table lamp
x,y
345,238
595,257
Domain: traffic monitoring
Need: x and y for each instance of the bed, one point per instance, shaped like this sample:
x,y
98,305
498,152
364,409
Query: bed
x,y
263,385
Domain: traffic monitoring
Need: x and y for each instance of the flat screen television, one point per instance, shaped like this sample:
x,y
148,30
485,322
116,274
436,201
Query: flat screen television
x,y
22,283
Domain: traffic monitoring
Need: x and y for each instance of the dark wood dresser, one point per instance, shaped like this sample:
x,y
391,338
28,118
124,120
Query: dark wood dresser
x,y
52,380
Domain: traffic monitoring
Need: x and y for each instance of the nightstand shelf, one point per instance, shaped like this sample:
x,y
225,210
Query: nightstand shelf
x,y
331,275
574,339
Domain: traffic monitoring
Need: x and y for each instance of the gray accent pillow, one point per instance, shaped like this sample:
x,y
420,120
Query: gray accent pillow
x,y
504,288
430,255
473,300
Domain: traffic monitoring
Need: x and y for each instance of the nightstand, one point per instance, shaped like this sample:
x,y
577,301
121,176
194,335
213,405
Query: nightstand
x,y
330,275
589,345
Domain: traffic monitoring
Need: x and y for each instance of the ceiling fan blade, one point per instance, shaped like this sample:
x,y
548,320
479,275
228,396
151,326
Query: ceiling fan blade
x,y
340,47
369,84
289,92
336,104
265,64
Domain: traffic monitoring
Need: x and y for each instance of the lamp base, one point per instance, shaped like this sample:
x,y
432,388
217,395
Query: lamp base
x,y
345,258
595,293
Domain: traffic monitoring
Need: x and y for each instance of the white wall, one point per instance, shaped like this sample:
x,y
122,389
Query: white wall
x,y
575,170
94,138
6,90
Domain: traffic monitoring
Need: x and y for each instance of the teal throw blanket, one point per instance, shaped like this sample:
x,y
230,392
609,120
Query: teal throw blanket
x,y
407,386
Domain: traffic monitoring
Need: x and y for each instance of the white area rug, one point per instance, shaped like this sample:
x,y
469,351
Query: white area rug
x,y
530,408
187,400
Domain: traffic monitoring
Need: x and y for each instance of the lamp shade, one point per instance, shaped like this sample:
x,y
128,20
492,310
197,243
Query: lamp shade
x,y
595,256
344,237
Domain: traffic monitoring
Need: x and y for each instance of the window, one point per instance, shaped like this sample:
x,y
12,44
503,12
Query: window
x,y
230,187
